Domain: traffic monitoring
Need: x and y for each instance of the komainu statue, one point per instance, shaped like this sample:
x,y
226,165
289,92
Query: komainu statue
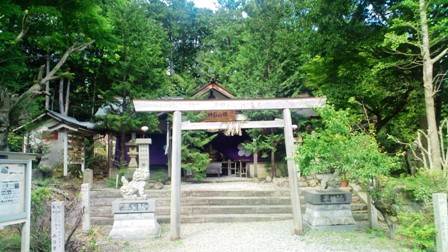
x,y
331,183
135,188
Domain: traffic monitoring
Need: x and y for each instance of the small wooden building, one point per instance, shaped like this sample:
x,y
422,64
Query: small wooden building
x,y
63,137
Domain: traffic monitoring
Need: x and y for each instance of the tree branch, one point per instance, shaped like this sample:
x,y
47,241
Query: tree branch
x,y
441,54
63,59
35,90
25,27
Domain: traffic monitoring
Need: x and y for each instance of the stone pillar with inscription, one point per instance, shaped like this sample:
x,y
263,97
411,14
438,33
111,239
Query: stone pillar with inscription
x,y
439,201
85,195
329,210
143,152
134,219
57,226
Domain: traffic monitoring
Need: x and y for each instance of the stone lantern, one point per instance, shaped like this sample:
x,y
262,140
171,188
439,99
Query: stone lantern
x,y
132,166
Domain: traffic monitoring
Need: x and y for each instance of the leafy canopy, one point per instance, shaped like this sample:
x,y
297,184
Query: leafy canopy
x,y
340,143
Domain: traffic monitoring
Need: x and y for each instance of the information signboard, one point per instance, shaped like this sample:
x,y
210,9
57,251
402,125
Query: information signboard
x,y
14,187
15,193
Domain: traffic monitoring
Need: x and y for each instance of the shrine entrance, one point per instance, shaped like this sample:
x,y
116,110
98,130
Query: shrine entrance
x,y
179,106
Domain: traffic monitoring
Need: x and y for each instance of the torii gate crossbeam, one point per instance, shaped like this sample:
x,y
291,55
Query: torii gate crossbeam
x,y
177,106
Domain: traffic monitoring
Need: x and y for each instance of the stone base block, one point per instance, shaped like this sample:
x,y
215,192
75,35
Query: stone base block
x,y
328,215
333,228
134,219
134,226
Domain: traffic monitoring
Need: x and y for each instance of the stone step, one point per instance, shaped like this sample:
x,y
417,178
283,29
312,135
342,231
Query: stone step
x,y
210,201
106,211
206,218
358,216
115,194
112,193
215,205
188,201
227,218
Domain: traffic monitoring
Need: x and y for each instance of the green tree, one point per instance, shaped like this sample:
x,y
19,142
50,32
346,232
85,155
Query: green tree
x,y
419,32
353,63
29,31
221,47
186,27
268,55
135,68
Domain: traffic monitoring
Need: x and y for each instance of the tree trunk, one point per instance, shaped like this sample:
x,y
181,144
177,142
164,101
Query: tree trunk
x,y
5,101
171,63
61,96
428,64
67,98
47,84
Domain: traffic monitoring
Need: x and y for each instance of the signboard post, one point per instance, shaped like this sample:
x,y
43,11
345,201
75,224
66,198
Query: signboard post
x,y
15,196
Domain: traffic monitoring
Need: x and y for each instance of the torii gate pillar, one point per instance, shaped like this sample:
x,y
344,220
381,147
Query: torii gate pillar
x,y
175,176
292,173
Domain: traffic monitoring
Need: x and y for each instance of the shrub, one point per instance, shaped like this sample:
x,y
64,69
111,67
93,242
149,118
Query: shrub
x,y
417,230
40,219
15,142
99,165
410,199
341,144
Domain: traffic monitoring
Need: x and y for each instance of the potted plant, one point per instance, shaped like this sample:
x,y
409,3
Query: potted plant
x,y
339,143
344,178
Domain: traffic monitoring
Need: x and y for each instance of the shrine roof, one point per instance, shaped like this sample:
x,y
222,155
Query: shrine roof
x,y
212,88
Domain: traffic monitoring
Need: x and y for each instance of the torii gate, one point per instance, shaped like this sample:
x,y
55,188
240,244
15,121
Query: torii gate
x,y
178,106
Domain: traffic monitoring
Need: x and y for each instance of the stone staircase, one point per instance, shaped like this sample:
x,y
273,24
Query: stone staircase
x,y
227,205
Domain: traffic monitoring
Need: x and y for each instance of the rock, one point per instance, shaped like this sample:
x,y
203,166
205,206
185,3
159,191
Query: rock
x,y
281,182
285,184
380,216
303,184
313,182
321,176
158,185
268,178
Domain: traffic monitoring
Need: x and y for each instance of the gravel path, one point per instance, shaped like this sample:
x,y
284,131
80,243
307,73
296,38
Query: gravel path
x,y
251,236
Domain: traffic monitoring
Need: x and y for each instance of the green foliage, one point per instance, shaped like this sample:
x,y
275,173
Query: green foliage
x,y
346,58
263,142
417,230
10,239
341,144
15,142
98,164
407,190
40,230
410,199
160,176
91,244
39,197
132,68
58,170
193,157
